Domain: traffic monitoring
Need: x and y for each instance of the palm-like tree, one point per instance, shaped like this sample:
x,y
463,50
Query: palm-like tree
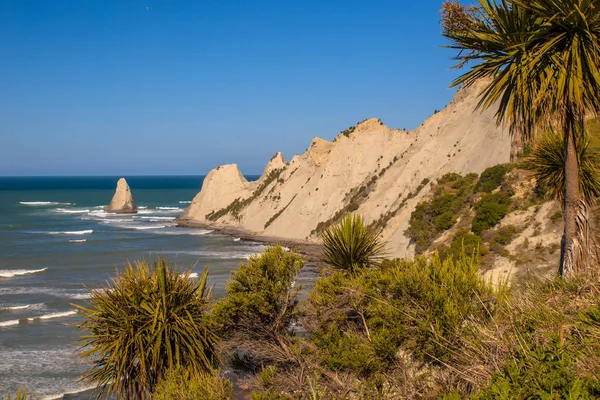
x,y
351,244
543,57
148,321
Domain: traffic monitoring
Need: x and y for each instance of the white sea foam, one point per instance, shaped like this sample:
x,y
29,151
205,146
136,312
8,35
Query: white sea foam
x,y
83,232
79,296
38,306
185,202
186,231
14,308
72,211
168,208
38,318
236,239
44,203
222,255
159,218
50,291
98,213
142,207
77,240
9,273
193,275
146,227
54,315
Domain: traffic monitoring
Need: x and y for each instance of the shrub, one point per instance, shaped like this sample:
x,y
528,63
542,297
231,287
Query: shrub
x,y
431,218
147,321
362,321
491,178
489,211
445,221
468,243
351,245
262,296
178,385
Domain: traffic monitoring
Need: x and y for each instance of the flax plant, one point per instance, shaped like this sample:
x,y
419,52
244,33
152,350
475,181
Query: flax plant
x,y
351,245
146,321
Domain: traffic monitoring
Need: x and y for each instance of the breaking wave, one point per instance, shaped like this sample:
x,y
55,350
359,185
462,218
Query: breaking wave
x,y
44,203
72,211
83,232
9,273
39,318
77,240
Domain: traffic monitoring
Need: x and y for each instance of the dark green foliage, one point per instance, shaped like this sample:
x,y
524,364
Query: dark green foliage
x,y
445,221
489,211
178,385
419,306
431,218
348,132
147,321
450,177
491,178
468,243
351,245
261,296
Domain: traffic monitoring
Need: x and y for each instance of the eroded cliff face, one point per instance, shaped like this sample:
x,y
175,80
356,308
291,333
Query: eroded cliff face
x,y
371,169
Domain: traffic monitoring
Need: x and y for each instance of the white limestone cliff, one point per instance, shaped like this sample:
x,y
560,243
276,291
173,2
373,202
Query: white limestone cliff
x,y
371,169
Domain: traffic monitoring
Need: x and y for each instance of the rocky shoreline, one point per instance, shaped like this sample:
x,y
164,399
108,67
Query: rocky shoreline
x,y
311,251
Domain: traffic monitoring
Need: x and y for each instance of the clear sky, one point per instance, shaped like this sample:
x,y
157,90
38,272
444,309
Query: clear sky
x,y
130,87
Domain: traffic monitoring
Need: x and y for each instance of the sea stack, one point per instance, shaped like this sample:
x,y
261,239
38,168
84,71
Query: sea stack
x,y
122,202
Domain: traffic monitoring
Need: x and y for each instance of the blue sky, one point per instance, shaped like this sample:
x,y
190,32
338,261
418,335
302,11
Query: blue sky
x,y
129,87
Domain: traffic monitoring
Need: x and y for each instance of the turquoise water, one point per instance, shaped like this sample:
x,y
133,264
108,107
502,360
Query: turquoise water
x,y
55,238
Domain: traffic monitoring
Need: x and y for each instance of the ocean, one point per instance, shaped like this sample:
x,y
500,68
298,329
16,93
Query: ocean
x,y
56,242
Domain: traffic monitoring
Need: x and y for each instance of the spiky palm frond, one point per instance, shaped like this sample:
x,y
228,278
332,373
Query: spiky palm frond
x,y
543,57
351,244
547,161
148,320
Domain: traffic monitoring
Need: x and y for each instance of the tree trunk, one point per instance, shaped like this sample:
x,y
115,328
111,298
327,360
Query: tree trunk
x,y
571,195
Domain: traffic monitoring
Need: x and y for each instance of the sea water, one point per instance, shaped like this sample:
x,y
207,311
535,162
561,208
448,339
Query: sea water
x,y
57,243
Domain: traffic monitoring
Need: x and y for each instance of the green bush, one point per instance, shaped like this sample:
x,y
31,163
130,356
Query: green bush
x,y
430,218
445,221
489,211
178,385
361,321
491,178
262,295
149,320
468,243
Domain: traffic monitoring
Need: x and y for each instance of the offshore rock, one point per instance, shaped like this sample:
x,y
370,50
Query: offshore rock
x,y
122,202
